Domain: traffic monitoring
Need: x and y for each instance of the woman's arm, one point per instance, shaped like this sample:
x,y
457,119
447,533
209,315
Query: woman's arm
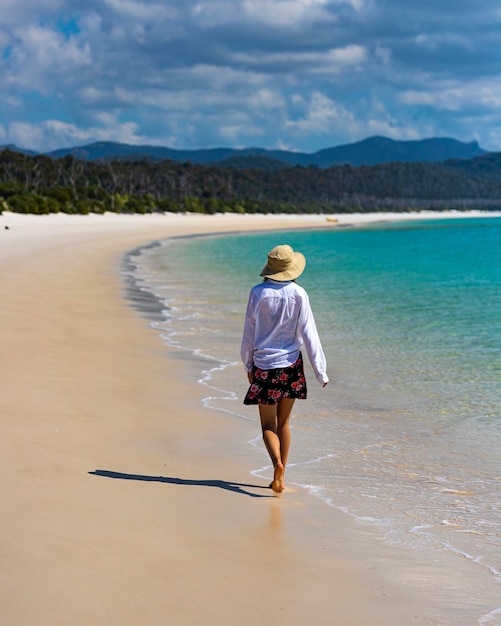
x,y
247,346
311,341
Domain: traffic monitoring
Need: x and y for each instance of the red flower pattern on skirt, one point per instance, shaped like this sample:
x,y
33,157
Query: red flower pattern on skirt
x,y
271,386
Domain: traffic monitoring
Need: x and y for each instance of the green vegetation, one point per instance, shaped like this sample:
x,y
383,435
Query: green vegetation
x,y
41,185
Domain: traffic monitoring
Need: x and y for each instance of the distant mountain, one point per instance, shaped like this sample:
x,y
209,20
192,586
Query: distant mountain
x,y
14,148
376,150
105,150
372,151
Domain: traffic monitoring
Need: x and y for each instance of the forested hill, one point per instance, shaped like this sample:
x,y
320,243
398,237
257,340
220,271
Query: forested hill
x,y
41,184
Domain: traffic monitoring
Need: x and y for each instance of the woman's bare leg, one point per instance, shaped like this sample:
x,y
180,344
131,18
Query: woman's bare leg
x,y
276,436
283,429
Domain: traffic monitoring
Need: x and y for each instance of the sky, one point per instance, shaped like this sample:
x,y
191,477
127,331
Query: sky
x,y
290,74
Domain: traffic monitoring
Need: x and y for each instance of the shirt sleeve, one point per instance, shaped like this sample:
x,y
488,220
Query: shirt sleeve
x,y
247,347
309,333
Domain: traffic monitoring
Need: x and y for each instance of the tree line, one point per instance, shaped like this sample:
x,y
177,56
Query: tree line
x,y
40,184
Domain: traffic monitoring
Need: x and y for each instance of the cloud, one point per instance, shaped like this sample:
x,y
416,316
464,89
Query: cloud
x,y
288,13
457,97
199,73
323,115
53,134
15,12
43,57
290,62
142,11
277,15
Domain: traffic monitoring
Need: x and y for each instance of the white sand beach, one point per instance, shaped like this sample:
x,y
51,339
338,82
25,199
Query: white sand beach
x,y
124,501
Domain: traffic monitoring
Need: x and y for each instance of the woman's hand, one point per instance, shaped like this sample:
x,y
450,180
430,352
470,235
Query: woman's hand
x,y
250,376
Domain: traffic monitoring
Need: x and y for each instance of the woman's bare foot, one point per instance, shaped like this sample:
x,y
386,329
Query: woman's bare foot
x,y
278,484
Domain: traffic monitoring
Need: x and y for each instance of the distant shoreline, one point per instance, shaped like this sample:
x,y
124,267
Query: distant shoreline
x,y
323,219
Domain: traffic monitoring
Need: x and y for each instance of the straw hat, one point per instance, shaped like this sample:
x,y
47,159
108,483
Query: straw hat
x,y
284,264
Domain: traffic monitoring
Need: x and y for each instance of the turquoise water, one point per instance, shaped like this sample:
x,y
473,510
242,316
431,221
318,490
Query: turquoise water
x,y
407,436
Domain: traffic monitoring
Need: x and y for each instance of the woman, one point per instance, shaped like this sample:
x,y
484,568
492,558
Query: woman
x,y
278,322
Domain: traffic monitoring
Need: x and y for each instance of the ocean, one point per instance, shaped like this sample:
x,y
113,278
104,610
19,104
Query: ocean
x,y
406,438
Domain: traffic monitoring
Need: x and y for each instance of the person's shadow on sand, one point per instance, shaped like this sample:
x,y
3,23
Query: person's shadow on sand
x,y
220,484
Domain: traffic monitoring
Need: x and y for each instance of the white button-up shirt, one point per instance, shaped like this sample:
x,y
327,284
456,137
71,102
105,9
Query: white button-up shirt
x,y
278,321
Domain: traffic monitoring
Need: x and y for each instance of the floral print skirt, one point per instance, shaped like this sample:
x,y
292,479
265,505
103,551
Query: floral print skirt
x,y
271,386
